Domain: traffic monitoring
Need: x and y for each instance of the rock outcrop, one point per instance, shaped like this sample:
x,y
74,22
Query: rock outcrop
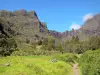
x,y
25,25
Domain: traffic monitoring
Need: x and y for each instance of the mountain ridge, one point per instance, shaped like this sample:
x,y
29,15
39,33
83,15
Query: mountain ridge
x,y
90,27
24,23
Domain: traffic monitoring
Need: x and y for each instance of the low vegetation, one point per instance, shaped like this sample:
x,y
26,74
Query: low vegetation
x,y
33,65
90,63
68,58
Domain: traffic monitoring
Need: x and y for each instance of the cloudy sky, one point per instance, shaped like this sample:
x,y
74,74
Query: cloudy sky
x,y
60,15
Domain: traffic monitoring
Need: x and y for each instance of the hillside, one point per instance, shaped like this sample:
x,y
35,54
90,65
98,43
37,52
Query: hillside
x,y
33,37
25,25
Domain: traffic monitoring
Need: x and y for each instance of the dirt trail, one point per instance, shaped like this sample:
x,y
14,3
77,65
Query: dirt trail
x,y
75,69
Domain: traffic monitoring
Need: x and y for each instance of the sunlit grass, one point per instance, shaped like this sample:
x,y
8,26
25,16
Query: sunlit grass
x,y
33,65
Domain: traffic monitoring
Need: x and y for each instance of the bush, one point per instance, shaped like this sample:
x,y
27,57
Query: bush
x,y
30,50
69,58
7,46
49,43
76,46
90,63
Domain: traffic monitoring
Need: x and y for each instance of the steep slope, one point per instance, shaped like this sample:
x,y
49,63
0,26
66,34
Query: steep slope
x,y
25,25
92,26
7,43
55,34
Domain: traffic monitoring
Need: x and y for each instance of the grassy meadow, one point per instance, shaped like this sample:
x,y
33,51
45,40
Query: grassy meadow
x,y
35,65
56,64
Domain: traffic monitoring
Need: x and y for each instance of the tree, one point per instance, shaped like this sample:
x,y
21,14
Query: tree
x,y
94,42
7,43
49,43
60,48
7,46
75,39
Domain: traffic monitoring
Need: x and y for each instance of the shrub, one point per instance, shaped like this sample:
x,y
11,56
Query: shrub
x,y
90,63
7,46
69,58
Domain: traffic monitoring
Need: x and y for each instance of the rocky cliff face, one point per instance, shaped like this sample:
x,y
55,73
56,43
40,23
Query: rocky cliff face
x,y
55,34
25,25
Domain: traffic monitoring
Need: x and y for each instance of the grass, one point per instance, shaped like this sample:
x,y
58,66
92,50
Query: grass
x,y
67,57
33,65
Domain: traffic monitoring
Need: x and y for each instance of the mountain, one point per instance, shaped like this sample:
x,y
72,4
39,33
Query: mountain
x,y
90,28
55,34
23,31
24,25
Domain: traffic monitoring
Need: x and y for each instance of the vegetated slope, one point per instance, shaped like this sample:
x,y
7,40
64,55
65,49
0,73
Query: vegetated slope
x,y
33,65
27,31
7,43
25,25
90,63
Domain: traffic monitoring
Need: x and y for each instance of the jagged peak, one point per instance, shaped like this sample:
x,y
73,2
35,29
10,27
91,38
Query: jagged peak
x,y
21,12
32,12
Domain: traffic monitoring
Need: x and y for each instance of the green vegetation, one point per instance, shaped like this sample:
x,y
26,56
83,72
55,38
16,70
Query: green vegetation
x,y
75,45
90,63
68,57
28,33
7,46
28,48
33,65
49,43
7,43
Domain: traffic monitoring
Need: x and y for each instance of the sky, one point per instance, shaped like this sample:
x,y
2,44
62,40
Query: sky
x,y
59,15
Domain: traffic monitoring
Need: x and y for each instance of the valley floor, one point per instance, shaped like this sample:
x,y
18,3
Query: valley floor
x,y
36,65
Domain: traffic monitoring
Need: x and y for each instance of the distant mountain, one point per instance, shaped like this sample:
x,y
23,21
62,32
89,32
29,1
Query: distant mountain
x,y
55,34
90,28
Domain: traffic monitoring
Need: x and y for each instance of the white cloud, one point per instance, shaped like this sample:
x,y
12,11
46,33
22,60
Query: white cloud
x,y
87,17
75,26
